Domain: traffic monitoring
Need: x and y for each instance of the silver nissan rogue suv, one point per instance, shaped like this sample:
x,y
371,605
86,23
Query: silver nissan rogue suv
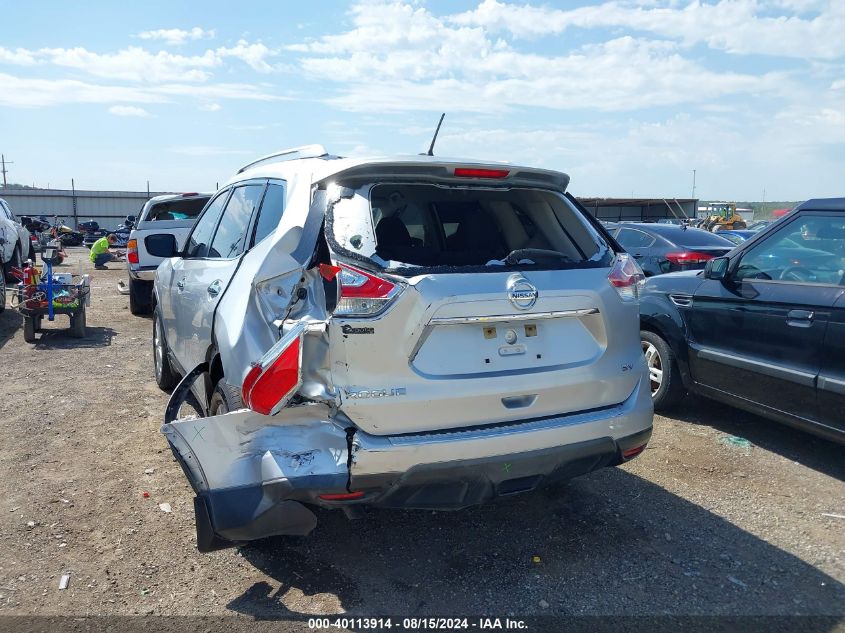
x,y
407,332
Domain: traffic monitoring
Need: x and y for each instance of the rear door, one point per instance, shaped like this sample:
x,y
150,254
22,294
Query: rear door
x,y
206,277
760,337
641,245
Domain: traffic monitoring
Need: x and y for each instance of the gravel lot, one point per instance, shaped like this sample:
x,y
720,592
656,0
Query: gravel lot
x,y
696,525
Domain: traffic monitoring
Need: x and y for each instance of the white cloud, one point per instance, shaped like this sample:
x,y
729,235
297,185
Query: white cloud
x,y
399,57
255,55
177,36
211,107
29,92
735,26
128,111
134,64
18,56
137,64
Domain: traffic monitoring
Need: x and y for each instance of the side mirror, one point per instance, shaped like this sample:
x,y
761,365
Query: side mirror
x,y
717,269
162,245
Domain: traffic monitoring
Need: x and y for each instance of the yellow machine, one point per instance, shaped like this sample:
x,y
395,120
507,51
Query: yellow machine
x,y
723,215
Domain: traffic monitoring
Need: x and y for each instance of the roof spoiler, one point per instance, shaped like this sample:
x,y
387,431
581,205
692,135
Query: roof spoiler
x,y
293,153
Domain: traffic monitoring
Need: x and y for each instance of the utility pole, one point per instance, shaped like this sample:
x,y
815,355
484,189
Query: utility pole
x,y
693,185
3,164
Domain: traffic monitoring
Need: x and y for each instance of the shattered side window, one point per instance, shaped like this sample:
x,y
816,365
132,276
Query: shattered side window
x,y
352,224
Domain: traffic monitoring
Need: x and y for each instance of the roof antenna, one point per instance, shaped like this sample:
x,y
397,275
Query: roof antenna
x,y
436,132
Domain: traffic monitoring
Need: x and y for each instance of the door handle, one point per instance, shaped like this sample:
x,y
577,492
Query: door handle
x,y
638,256
799,318
800,315
181,284
214,288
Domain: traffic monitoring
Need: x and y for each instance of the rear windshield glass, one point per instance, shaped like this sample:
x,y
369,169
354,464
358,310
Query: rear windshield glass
x,y
184,209
699,237
430,226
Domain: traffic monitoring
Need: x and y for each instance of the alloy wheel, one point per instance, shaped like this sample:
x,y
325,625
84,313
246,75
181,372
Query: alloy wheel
x,y
158,349
655,366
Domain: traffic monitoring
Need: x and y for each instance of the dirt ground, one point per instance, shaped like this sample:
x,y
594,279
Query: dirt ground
x,y
696,525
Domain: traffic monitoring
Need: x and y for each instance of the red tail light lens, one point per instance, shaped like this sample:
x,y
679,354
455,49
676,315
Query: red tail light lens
x,y
364,294
473,172
274,379
688,257
633,452
626,276
132,251
345,496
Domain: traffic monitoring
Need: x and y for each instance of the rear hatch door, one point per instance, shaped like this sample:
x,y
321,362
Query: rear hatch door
x,y
473,334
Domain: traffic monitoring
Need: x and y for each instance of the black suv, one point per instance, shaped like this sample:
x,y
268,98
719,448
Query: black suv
x,y
762,328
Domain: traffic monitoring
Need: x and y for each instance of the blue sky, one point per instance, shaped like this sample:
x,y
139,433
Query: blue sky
x,y
627,96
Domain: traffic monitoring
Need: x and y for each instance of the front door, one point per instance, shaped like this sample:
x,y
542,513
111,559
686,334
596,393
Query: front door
x,y
759,337
831,388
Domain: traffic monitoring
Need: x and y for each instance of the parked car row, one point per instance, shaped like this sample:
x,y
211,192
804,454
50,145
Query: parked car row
x,y
389,333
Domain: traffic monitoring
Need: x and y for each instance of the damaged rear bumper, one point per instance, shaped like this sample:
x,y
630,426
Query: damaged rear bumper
x,y
254,475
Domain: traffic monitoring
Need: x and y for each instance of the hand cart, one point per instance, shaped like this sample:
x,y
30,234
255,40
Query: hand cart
x,y
49,295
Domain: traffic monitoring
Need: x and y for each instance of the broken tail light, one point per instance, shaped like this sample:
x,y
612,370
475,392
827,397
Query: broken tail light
x,y
275,378
688,257
132,251
626,277
363,294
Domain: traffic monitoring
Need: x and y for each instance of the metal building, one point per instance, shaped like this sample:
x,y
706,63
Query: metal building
x,y
110,207
640,209
106,207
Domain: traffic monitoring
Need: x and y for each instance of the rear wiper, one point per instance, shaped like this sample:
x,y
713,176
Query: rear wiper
x,y
520,255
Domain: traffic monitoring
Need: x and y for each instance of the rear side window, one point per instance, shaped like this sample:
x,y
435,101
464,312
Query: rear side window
x,y
632,238
230,239
184,209
271,212
698,237
434,226
203,230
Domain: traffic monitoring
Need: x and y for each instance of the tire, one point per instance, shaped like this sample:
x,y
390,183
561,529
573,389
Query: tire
x,y
140,296
77,324
667,388
29,329
14,262
224,398
166,378
740,226
2,294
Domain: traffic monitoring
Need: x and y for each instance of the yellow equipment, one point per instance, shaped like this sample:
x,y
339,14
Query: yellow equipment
x,y
723,215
